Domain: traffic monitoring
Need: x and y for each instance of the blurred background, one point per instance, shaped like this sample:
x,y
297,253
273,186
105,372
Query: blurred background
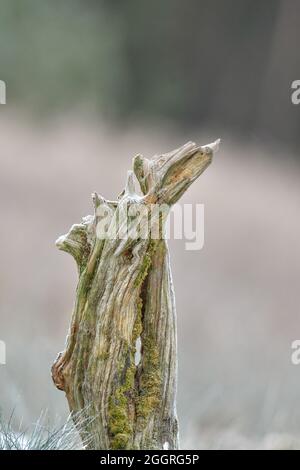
x,y
89,85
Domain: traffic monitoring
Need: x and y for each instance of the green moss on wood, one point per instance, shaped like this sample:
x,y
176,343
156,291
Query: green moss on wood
x,y
120,418
143,270
146,264
150,383
138,325
104,356
149,389
135,399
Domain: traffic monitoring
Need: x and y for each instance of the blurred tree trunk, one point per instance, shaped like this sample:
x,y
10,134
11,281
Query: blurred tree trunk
x,y
119,367
277,116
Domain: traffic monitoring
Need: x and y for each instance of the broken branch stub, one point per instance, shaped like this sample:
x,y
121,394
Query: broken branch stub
x,y
124,299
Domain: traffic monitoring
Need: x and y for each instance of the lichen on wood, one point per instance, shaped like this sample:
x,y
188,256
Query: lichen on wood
x,y
125,294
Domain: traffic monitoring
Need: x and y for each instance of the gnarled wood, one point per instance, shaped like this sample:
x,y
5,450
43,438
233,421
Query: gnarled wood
x,y
124,298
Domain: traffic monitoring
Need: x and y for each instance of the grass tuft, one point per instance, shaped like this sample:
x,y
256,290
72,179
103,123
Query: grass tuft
x,y
41,437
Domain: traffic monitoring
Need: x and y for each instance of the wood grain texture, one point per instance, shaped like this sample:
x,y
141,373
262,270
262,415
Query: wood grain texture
x,y
125,298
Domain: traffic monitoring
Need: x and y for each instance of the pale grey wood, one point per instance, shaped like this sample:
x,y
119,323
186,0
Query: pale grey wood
x,y
125,297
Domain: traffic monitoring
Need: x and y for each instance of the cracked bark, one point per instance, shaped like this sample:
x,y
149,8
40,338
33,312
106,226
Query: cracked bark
x,y
124,297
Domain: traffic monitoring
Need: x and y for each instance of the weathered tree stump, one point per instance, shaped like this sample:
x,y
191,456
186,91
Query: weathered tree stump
x,y
124,300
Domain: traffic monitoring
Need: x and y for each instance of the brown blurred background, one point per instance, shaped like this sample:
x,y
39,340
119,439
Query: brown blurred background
x,y
89,85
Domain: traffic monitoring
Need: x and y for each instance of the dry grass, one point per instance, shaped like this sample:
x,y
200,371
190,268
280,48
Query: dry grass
x,y
41,435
